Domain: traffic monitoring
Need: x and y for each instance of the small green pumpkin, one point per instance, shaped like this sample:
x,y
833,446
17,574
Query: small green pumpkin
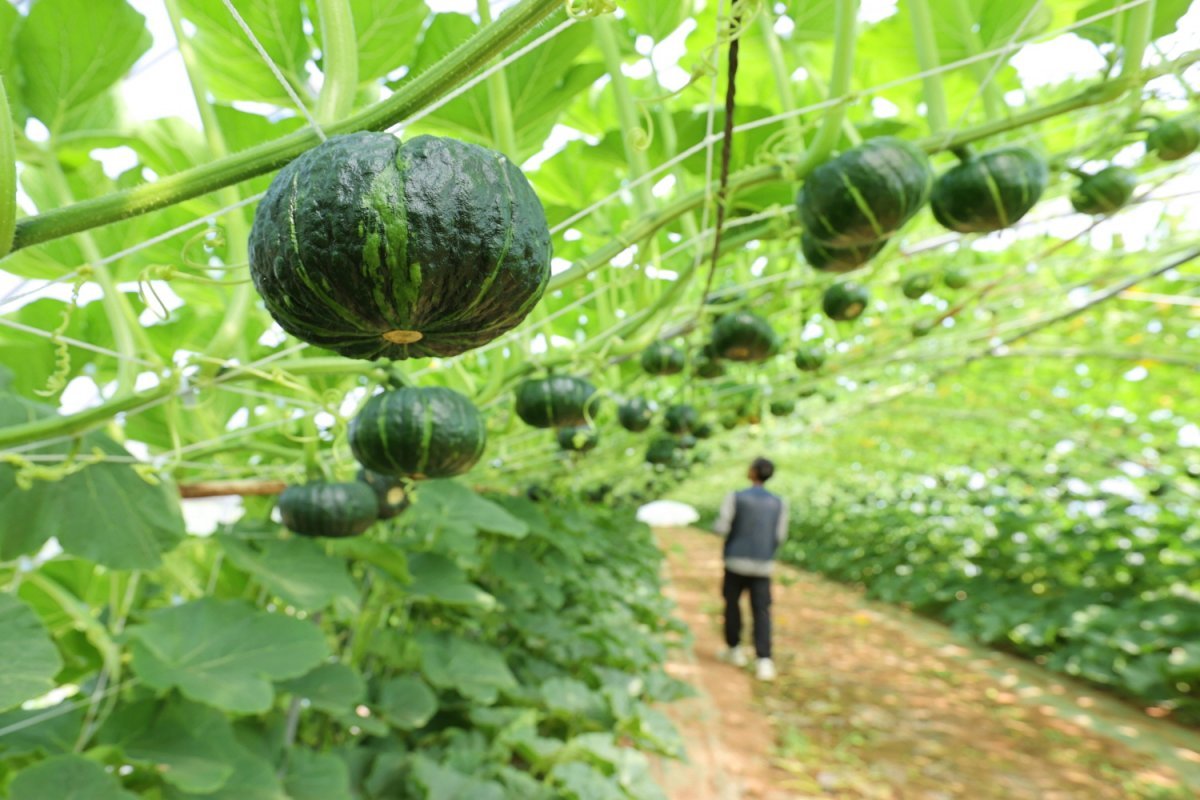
x,y
577,438
845,301
681,419
955,278
635,414
810,359
334,510
916,286
376,249
743,336
826,258
707,364
703,431
922,327
866,194
557,401
1105,192
989,192
418,432
1174,139
782,408
686,441
391,493
661,358
662,450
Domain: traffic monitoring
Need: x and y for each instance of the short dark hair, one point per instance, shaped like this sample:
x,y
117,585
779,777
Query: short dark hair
x,y
762,468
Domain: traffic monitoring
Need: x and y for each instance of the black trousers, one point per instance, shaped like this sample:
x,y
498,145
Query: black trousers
x,y
760,606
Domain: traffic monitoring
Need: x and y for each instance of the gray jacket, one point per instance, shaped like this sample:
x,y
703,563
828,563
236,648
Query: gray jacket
x,y
754,522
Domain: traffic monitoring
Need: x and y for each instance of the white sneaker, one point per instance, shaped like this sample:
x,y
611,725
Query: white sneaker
x,y
765,670
736,656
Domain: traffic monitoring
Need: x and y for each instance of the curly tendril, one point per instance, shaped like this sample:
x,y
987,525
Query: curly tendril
x,y
62,352
583,9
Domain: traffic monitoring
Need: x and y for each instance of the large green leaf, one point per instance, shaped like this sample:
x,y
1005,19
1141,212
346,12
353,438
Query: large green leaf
x,y
451,506
105,512
657,20
316,776
233,68
253,779
31,660
335,687
438,579
72,50
297,570
407,702
224,652
541,85
444,783
66,778
376,24
191,745
475,670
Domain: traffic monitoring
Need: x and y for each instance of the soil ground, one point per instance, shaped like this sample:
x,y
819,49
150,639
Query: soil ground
x,y
875,703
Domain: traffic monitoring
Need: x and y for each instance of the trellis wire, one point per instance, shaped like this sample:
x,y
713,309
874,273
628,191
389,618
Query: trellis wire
x,y
834,101
270,62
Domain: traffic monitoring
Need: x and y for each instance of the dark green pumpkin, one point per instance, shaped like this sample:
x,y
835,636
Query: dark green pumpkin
x,y
334,510
1174,139
707,364
781,408
826,258
376,249
681,419
577,438
703,431
866,194
743,336
989,192
635,414
662,450
955,278
845,301
557,401
661,358
915,286
390,493
418,432
1105,192
686,441
810,359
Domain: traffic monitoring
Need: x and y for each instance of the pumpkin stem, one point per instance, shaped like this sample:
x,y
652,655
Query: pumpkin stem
x,y
394,378
963,152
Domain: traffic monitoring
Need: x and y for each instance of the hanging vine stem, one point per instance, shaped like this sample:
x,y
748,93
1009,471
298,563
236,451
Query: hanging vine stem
x,y
993,100
921,19
722,197
845,25
339,60
505,137
8,174
1139,30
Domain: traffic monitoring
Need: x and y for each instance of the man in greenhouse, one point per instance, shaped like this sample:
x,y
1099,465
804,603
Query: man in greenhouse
x,y
754,524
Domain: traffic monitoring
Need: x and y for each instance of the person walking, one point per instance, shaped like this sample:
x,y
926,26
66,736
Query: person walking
x,y
754,524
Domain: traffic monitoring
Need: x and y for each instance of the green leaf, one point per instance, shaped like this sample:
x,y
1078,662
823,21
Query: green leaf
x,y
443,783
316,776
298,571
450,505
30,659
224,653
476,671
191,745
541,84
657,20
105,513
407,702
48,731
582,782
67,778
70,51
232,67
570,697
380,50
253,779
438,579
334,687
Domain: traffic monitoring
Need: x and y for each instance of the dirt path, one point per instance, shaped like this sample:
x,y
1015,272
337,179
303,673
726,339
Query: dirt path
x,y
877,704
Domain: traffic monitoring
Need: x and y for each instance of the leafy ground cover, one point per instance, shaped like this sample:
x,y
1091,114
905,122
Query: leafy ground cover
x,y
482,646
